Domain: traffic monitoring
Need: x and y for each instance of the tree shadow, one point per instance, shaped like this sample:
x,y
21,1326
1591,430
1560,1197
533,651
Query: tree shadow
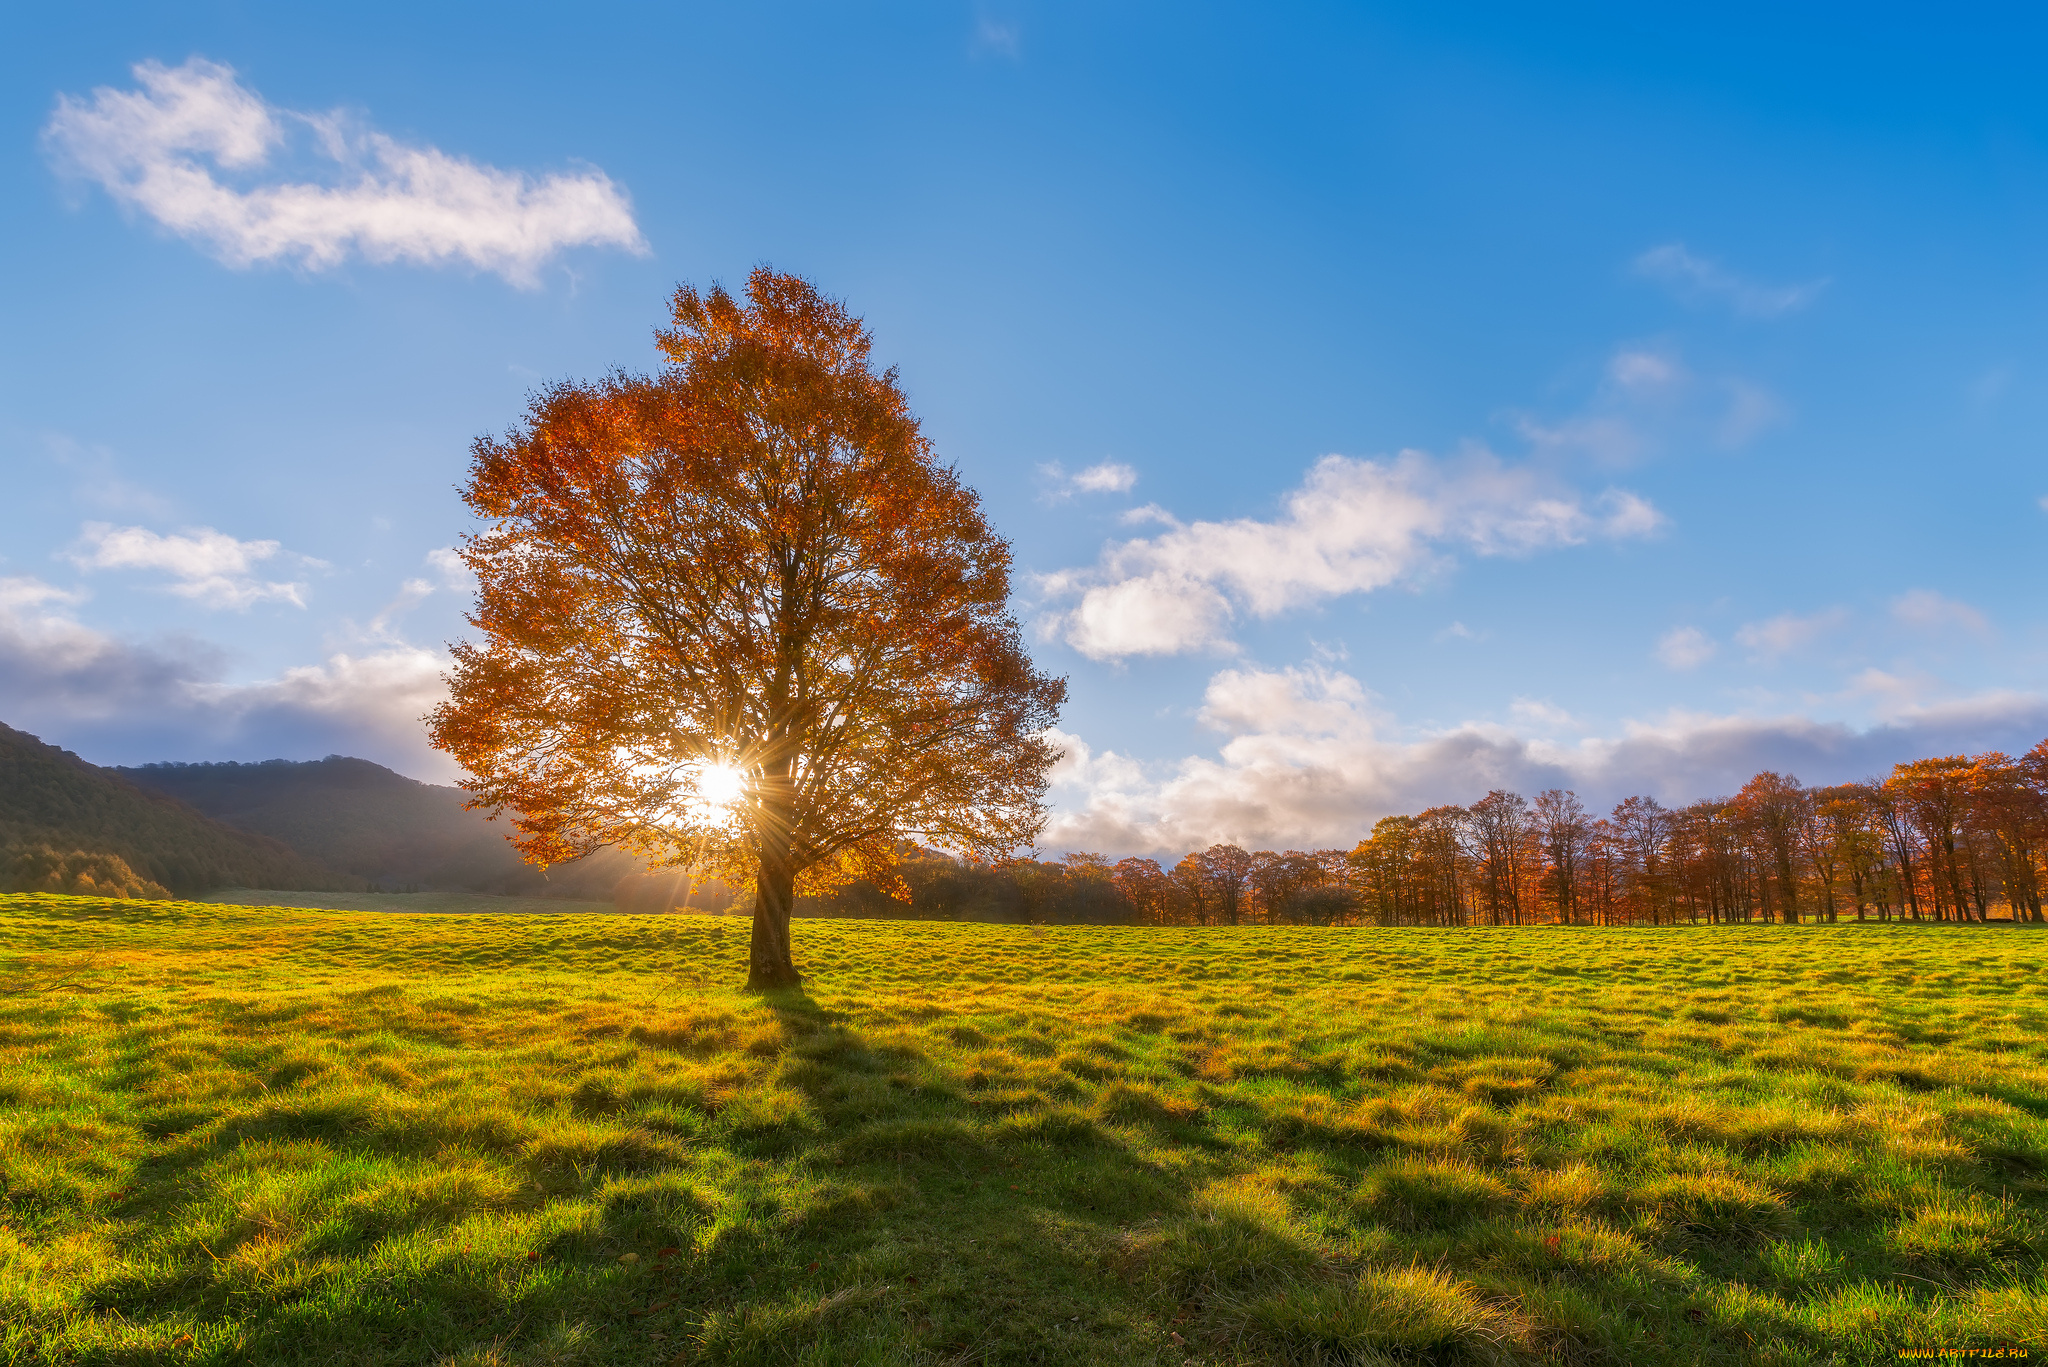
x,y
930,1223
889,1207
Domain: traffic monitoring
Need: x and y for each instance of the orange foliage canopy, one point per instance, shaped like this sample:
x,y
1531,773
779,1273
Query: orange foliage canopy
x,y
749,566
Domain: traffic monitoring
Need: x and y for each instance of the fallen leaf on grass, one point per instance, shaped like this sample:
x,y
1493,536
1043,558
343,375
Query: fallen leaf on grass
x,y
655,1308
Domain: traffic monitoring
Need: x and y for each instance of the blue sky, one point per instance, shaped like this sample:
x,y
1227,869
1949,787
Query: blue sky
x,y
1384,406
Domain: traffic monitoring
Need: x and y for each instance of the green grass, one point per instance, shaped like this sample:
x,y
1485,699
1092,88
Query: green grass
x,y
277,1136
440,903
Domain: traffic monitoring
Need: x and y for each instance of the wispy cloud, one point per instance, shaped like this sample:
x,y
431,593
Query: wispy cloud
x,y
99,483
1106,477
1697,279
1547,716
1685,648
194,149
209,567
453,570
1788,632
1646,400
1352,526
450,574
1926,610
998,37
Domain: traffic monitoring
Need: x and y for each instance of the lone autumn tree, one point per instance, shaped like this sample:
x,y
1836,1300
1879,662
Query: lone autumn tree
x,y
736,617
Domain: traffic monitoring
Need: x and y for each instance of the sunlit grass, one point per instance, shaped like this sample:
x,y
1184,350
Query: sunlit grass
x,y
297,1136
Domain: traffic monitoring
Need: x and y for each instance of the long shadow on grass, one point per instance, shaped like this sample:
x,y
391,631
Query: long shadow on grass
x,y
935,1220
866,1201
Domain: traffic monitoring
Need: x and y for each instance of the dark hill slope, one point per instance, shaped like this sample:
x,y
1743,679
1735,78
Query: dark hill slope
x,y
382,826
52,797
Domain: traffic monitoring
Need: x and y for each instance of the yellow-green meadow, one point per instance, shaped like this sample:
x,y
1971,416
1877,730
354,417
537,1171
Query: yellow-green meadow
x,y
272,1135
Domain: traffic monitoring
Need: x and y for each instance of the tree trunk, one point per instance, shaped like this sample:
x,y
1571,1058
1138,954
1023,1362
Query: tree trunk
x,y
769,966
1791,889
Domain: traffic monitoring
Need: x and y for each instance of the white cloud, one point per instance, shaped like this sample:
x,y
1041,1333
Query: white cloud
x,y
451,574
1310,761
1107,477
377,699
384,626
1926,610
1787,633
454,571
1351,527
129,702
1887,694
1693,277
1639,371
1685,648
207,566
1539,713
1624,515
1152,512
26,591
193,148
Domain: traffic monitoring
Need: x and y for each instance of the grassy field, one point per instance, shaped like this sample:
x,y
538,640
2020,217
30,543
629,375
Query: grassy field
x,y
437,903
299,1136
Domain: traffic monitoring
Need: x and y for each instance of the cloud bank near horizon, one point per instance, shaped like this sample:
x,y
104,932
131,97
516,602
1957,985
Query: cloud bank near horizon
x,y
127,702
1308,761
197,151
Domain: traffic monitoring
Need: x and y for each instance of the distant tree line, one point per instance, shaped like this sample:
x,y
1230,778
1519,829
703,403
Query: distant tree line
x,y
1954,839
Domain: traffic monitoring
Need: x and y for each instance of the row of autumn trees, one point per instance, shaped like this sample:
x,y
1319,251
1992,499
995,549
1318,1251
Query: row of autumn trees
x,y
1951,839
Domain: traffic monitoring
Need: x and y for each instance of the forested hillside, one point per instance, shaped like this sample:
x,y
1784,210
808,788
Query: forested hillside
x,y
59,813
366,820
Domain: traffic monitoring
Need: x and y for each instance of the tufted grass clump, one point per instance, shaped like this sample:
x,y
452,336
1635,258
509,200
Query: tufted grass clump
x,y
260,1135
